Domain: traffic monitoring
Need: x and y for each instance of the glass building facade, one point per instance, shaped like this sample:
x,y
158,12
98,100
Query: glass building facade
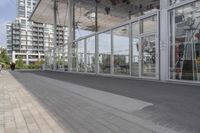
x,y
159,40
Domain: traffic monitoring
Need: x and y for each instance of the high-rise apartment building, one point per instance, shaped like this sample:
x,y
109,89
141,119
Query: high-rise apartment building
x,y
27,39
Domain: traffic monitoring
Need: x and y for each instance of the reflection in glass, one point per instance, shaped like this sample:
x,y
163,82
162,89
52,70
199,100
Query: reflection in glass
x,y
48,60
185,42
90,54
74,56
65,55
104,52
81,56
121,50
135,49
59,59
172,2
148,56
149,24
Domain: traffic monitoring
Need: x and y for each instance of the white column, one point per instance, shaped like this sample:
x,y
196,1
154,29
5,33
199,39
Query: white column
x,y
70,32
39,55
27,59
164,41
13,57
55,35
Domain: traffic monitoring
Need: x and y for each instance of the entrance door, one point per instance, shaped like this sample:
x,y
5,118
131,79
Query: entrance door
x,y
145,55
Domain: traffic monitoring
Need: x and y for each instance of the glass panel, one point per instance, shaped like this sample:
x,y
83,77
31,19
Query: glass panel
x,y
172,2
148,55
185,42
47,60
149,25
110,13
59,61
65,55
135,49
90,54
74,56
121,50
57,58
81,56
104,52
51,58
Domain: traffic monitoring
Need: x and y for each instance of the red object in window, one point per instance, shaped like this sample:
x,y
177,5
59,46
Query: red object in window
x,y
198,36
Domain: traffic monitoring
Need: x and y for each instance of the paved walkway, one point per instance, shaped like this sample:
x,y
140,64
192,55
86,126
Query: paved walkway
x,y
81,109
20,112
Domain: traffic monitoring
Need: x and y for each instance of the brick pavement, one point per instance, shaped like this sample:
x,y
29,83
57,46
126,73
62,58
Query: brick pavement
x,y
20,112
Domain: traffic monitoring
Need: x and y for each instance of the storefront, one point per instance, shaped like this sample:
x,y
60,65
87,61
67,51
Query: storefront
x,y
156,39
184,46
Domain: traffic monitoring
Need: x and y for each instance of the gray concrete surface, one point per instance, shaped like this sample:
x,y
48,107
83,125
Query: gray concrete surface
x,y
168,106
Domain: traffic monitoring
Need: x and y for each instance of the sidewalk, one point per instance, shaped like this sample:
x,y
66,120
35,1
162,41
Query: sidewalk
x,y
20,112
83,109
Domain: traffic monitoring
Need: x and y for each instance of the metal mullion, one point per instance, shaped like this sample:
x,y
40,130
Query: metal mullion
x,y
76,56
112,52
148,34
186,2
157,35
130,48
140,50
85,55
97,53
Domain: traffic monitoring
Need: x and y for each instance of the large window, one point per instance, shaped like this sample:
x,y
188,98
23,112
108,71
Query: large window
x,y
185,42
104,40
121,50
90,54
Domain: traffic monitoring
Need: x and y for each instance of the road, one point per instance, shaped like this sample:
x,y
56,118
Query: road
x,y
174,106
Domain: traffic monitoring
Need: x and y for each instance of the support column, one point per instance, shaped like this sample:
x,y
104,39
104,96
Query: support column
x,y
70,32
27,59
55,34
13,57
164,41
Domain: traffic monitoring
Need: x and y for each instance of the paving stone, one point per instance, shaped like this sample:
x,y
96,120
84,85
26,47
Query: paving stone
x,y
18,114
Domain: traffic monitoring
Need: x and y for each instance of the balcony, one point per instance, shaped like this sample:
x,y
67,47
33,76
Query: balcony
x,y
16,27
16,32
16,42
34,34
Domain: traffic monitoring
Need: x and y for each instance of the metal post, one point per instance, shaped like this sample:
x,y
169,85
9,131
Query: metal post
x,y
27,54
112,54
96,16
70,33
85,55
97,53
55,34
130,48
164,42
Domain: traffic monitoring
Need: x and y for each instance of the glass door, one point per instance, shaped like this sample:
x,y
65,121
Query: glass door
x,y
145,55
148,62
149,47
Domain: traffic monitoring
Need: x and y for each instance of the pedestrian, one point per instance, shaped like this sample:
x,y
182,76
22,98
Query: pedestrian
x,y
12,66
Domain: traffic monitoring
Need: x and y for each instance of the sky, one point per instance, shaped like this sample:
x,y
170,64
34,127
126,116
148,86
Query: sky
x,y
7,14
